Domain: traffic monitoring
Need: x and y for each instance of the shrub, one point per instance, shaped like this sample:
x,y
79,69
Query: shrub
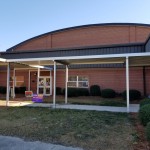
x,y
17,90
2,90
74,92
145,102
133,94
144,114
95,90
20,90
148,131
58,91
83,92
108,93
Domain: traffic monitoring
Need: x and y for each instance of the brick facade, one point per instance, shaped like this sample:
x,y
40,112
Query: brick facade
x,y
113,78
87,36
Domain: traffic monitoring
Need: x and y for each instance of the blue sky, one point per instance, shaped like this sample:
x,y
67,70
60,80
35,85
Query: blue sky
x,y
23,19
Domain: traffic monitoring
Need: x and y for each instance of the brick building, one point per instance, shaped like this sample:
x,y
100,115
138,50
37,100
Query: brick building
x,y
87,40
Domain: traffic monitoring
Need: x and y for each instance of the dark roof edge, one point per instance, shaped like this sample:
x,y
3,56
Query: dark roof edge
x,y
81,26
77,48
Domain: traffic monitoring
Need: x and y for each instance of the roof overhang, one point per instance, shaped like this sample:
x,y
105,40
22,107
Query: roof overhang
x,y
3,62
135,59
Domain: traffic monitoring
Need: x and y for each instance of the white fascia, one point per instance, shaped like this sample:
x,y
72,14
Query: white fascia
x,y
81,57
31,59
3,60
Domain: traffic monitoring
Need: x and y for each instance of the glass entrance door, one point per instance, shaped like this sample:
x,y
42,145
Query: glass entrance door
x,y
44,85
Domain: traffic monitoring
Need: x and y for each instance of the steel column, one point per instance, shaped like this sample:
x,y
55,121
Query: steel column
x,y
29,81
14,81
54,90
38,75
127,83
8,87
66,87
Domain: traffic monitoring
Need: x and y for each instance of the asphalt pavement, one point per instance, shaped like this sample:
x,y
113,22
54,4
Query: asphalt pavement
x,y
13,143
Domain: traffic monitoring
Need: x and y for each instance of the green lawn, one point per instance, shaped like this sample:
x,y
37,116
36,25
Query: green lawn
x,y
89,100
90,130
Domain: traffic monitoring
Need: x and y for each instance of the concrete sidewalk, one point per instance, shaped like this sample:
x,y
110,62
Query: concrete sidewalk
x,y
13,143
133,107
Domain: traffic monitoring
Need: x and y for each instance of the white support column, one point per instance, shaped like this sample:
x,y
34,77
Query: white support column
x,y
29,81
66,87
8,87
38,75
14,81
54,90
127,83
50,82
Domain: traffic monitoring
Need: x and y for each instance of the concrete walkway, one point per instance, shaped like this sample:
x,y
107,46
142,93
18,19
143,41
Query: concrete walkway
x,y
133,107
13,143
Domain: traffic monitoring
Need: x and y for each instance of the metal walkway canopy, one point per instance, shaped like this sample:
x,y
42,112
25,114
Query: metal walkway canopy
x,y
136,59
128,59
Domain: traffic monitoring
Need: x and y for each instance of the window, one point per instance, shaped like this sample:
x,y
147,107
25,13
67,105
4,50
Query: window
x,y
19,81
78,81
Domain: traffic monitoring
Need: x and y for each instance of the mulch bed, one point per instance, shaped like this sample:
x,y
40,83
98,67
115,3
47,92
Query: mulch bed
x,y
142,143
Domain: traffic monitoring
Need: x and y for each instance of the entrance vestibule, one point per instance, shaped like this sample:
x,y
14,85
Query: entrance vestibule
x,y
42,83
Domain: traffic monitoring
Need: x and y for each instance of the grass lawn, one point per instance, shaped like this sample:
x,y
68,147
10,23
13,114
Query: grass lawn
x,y
89,100
90,130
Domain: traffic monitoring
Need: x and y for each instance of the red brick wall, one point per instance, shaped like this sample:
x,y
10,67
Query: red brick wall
x,y
147,80
3,77
107,78
36,44
88,36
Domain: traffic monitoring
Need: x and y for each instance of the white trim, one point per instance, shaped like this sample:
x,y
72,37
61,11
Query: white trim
x,y
3,60
51,82
81,57
30,59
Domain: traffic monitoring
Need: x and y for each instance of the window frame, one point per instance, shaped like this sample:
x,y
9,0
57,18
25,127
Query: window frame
x,y
77,81
17,81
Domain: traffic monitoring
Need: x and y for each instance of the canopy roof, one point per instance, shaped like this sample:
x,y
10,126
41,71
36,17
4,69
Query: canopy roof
x,y
135,59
